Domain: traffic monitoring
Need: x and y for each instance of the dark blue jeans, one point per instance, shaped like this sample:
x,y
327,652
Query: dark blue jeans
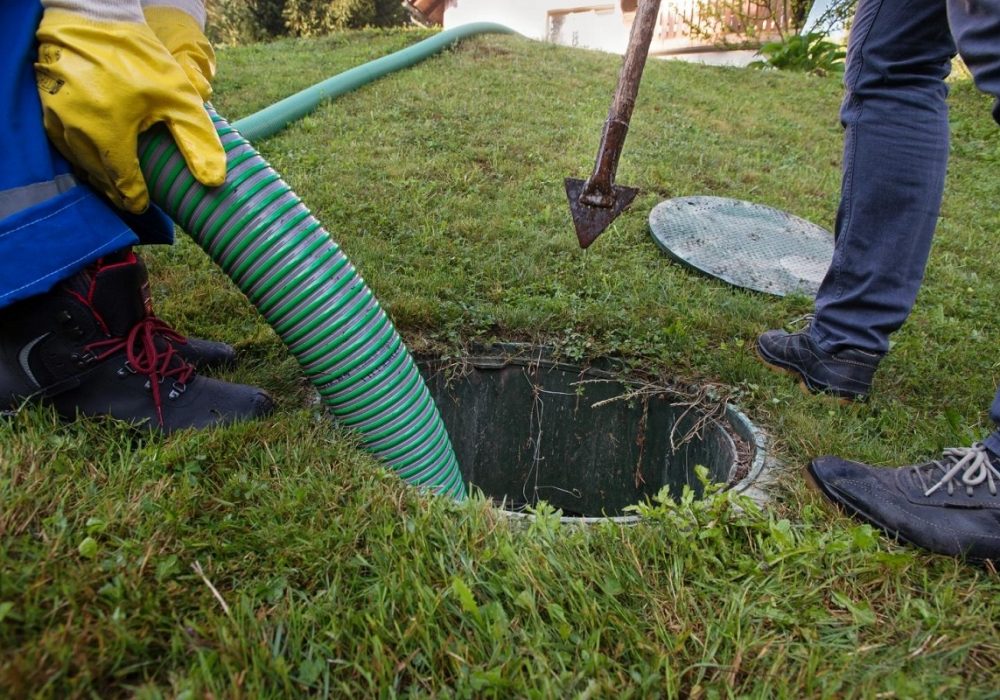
x,y
895,157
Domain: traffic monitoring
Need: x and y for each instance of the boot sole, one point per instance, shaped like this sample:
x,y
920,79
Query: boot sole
x,y
803,384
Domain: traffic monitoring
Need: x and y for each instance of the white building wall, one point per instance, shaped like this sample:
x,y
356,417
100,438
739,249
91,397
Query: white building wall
x,y
592,24
587,24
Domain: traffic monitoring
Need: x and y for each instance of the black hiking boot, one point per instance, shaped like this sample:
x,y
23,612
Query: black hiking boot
x,y
949,506
846,374
206,354
127,269
92,346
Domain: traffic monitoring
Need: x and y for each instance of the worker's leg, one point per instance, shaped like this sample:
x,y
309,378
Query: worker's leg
x,y
894,163
975,25
993,441
76,329
949,505
895,157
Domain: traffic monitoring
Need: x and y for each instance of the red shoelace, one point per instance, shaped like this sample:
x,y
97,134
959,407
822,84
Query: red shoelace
x,y
156,362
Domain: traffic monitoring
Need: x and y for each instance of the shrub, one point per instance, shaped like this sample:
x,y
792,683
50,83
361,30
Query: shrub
x,y
238,21
812,53
315,17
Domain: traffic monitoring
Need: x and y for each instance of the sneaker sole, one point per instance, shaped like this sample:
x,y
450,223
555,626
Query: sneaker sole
x,y
804,385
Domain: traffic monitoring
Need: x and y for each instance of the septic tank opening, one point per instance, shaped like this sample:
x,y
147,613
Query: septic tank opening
x,y
587,441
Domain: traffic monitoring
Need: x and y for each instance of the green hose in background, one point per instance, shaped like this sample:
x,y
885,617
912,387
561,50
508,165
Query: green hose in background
x,y
273,119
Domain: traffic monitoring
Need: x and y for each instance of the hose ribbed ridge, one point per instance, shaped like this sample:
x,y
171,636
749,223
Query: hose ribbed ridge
x,y
263,237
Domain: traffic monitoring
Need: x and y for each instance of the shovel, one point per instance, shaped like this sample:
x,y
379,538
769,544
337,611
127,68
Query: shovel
x,y
595,203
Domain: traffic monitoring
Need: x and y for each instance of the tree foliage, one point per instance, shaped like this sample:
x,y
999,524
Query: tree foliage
x,y
837,15
315,17
235,21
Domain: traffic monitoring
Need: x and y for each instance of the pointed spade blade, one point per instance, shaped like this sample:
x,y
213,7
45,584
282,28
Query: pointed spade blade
x,y
590,221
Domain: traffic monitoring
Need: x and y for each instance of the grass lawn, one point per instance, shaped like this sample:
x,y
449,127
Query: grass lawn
x,y
276,559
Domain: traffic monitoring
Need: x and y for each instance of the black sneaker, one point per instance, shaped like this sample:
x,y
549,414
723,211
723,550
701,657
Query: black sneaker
x,y
846,374
949,506
93,347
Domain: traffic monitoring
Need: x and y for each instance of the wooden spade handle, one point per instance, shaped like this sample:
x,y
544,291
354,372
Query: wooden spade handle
x,y
599,188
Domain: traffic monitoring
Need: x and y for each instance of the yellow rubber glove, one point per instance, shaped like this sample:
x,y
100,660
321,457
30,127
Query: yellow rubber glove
x,y
102,84
180,34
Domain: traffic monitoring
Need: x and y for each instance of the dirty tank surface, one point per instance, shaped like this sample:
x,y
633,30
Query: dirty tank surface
x,y
526,428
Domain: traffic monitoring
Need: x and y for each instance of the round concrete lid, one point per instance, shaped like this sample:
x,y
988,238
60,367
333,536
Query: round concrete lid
x,y
747,245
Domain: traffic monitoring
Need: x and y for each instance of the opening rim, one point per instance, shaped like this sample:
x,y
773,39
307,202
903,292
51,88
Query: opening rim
x,y
502,355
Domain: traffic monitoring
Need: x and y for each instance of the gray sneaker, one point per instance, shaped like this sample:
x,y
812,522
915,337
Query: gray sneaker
x,y
846,374
949,506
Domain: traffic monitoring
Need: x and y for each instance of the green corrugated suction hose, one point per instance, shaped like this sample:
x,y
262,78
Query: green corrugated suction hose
x,y
260,233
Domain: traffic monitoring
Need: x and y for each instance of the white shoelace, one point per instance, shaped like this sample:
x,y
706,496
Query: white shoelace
x,y
974,465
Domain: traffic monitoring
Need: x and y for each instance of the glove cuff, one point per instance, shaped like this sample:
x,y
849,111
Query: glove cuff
x,y
194,8
99,10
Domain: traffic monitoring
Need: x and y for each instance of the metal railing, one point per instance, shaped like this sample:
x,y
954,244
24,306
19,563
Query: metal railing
x,y
713,22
